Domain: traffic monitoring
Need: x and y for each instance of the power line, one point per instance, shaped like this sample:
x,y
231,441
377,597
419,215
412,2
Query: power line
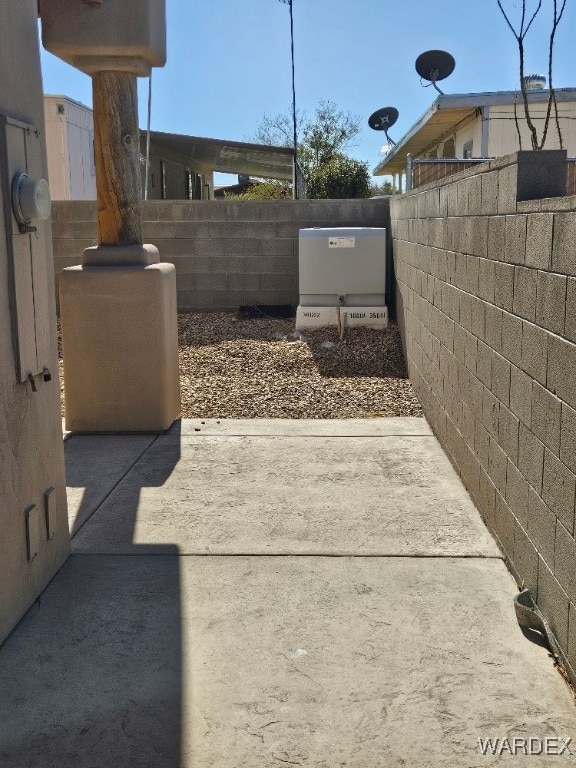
x,y
294,126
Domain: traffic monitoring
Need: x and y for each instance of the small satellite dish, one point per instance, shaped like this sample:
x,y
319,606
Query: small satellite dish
x,y
435,66
383,119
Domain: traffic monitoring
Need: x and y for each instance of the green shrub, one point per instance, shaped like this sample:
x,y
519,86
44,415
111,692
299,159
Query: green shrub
x,y
340,177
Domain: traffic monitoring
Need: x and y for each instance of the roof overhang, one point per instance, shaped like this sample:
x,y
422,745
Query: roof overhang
x,y
221,155
446,114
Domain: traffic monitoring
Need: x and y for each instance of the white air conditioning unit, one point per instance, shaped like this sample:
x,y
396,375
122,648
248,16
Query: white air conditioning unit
x,y
342,277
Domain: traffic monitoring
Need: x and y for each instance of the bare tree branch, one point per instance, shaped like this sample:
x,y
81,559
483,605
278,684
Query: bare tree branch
x,y
520,35
557,121
536,12
507,19
552,99
552,94
531,126
520,32
516,122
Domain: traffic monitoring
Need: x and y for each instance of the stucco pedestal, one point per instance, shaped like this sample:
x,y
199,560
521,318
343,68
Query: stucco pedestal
x,y
120,341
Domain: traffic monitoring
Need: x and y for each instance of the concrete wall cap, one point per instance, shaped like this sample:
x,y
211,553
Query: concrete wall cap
x,y
120,255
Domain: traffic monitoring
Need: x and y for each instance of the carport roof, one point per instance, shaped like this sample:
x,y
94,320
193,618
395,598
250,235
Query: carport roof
x,y
227,156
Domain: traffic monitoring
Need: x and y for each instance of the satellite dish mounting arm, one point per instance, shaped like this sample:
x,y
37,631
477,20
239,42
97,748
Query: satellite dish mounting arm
x,y
434,75
388,139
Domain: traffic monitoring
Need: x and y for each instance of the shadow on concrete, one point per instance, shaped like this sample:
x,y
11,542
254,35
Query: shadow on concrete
x,y
92,675
96,466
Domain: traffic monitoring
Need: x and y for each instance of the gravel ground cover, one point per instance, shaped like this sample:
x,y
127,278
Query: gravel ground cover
x,y
236,367
257,367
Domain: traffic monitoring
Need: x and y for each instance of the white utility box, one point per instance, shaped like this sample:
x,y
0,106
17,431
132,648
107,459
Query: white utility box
x,y
342,277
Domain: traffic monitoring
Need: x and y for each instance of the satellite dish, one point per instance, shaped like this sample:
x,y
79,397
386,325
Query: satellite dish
x,y
435,66
383,119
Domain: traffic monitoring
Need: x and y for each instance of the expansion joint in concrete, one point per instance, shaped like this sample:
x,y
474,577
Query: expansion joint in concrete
x,y
308,555
114,486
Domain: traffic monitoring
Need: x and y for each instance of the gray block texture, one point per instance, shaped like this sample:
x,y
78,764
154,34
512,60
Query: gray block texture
x,y
514,333
226,254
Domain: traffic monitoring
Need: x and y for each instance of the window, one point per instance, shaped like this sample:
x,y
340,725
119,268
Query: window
x,y
467,150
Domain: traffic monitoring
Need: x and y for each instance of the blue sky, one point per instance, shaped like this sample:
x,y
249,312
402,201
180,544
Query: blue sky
x,y
229,61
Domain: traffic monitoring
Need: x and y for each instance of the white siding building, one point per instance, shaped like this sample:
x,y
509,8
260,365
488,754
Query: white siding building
x,y
70,146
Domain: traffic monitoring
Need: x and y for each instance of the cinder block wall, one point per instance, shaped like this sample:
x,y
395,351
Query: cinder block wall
x,y
486,292
227,254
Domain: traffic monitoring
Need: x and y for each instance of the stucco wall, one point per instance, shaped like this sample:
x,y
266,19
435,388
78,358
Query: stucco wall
x,y
227,254
487,306
31,449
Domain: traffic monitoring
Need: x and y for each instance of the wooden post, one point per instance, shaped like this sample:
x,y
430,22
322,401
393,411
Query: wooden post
x,y
117,155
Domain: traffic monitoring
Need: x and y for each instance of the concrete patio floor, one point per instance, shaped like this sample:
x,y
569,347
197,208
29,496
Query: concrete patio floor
x,y
249,594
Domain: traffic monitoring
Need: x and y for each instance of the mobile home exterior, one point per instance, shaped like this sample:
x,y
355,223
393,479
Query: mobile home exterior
x,y
482,125
70,144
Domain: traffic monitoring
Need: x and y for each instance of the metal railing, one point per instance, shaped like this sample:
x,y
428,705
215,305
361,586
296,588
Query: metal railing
x,y
424,171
